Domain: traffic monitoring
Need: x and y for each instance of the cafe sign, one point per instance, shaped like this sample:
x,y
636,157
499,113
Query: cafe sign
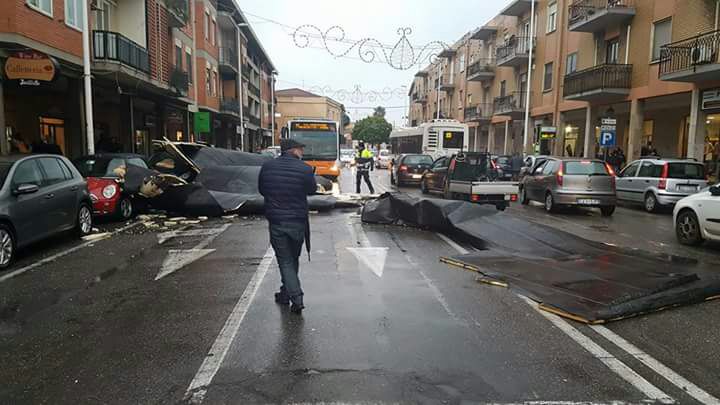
x,y
30,68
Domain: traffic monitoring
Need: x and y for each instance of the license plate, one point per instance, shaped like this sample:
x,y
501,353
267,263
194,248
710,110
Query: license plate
x,y
417,176
688,188
588,201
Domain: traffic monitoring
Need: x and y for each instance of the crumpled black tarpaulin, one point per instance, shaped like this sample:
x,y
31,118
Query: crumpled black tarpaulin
x,y
570,276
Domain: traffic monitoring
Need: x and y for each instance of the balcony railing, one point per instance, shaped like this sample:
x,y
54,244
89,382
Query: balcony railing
x,y
116,47
228,57
231,105
180,81
178,12
255,90
585,11
690,59
515,51
511,104
482,69
479,112
598,81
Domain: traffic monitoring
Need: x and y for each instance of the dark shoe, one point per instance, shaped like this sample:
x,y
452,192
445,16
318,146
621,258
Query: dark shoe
x,y
282,299
297,309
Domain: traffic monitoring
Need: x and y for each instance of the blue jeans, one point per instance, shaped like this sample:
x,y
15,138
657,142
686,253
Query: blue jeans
x,y
287,240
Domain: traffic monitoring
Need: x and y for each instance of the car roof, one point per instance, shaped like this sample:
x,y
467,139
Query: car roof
x,y
18,157
111,155
575,159
668,160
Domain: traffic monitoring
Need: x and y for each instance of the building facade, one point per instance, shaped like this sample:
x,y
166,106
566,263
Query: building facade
x,y
297,103
161,69
647,71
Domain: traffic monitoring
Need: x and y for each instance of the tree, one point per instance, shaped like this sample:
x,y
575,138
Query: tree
x,y
373,130
379,112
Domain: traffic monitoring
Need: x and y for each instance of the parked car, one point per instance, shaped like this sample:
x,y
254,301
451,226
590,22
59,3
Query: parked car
x,y
658,183
409,169
571,181
383,159
502,167
697,217
106,192
531,162
347,156
41,196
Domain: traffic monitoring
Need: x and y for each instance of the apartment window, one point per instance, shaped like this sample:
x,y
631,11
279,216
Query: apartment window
x,y
206,24
612,51
208,81
178,56
214,83
548,79
44,6
503,88
552,17
73,13
469,98
212,32
571,65
189,64
102,15
462,63
662,34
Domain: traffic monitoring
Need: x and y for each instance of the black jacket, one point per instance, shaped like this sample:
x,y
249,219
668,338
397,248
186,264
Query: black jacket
x,y
285,183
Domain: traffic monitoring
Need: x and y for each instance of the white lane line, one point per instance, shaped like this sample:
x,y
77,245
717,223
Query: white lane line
x,y
441,298
56,256
676,379
195,393
614,364
478,403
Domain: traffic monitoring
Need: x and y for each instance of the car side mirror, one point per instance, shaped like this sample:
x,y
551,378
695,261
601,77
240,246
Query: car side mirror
x,y
26,189
715,191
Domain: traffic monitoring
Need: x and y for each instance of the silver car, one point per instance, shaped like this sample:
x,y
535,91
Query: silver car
x,y
657,183
40,196
571,181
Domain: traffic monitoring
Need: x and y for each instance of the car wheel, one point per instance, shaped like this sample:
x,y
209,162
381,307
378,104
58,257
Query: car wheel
x,y
607,211
523,197
7,246
549,203
651,204
423,187
392,179
687,228
125,209
84,220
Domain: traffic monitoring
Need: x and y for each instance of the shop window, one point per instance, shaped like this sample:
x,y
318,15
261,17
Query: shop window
x,y
74,13
52,132
548,79
662,34
44,6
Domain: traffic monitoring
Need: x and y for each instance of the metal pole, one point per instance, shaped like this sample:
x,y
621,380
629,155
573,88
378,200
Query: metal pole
x,y
529,80
4,147
89,125
272,106
437,113
240,93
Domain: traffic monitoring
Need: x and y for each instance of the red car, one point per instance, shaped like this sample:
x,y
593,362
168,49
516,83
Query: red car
x,y
106,191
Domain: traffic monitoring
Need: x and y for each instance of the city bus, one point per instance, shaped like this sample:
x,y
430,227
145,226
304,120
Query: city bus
x,y
436,138
322,144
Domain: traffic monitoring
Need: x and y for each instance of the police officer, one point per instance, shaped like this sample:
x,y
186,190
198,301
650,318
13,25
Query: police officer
x,y
364,163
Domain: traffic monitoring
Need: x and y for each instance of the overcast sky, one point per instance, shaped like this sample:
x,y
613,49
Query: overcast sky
x,y
445,20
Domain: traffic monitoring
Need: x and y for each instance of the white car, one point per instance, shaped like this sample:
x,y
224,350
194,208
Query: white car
x,y
697,217
382,160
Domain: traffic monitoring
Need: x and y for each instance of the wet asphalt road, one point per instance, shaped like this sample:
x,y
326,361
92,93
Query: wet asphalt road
x,y
122,321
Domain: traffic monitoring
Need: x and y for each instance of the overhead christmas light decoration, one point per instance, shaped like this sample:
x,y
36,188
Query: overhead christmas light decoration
x,y
401,56
358,96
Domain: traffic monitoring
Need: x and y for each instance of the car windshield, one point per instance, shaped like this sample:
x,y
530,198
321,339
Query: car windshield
x,y
686,171
384,153
503,160
417,160
99,167
586,168
346,153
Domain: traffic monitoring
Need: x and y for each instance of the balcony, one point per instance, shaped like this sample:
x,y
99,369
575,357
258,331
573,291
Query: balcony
x,y
599,83
484,33
691,60
111,46
512,105
597,15
446,83
228,61
420,98
254,90
479,113
518,8
447,53
177,13
483,69
180,81
515,52
230,106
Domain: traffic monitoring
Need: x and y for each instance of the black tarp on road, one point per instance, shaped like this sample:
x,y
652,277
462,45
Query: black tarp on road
x,y
573,277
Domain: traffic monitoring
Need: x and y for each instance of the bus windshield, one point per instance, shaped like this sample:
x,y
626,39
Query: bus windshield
x,y
320,139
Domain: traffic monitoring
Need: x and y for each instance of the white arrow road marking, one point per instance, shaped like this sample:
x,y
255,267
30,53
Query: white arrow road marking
x,y
166,236
176,259
373,258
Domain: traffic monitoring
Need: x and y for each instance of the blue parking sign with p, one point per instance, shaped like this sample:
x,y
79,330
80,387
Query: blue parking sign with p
x,y
607,138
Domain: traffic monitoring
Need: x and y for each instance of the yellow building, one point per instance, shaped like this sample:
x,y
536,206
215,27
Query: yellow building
x,y
297,103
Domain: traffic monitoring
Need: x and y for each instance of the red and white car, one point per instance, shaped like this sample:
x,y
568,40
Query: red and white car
x,y
106,191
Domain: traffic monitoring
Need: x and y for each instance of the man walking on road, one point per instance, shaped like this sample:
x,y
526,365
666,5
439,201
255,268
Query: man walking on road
x,y
364,162
285,183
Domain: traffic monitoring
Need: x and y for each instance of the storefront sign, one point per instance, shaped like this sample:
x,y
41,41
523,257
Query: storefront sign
x,y
548,132
31,68
711,99
202,122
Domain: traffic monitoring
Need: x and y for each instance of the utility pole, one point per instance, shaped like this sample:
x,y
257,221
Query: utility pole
x,y
272,105
437,113
87,79
530,43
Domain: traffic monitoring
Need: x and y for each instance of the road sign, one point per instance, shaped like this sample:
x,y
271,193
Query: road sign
x,y
607,138
608,121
